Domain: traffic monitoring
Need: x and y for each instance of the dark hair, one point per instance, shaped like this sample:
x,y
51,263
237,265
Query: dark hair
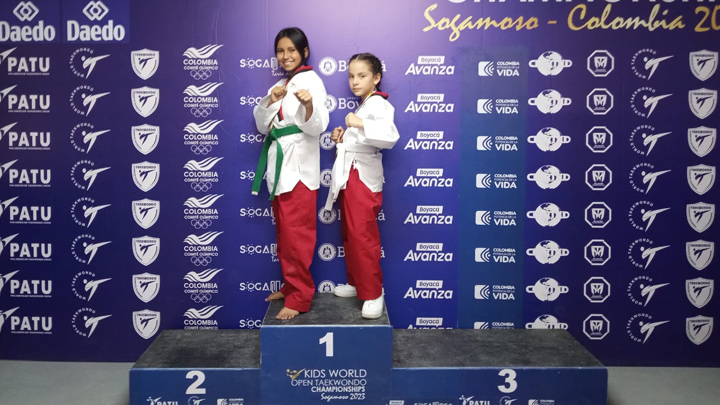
x,y
298,38
373,61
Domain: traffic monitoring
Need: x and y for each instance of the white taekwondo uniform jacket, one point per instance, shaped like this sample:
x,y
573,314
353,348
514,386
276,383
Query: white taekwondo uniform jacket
x,y
301,151
361,147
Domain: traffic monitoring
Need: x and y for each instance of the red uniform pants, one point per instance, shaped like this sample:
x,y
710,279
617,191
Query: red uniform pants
x,y
295,224
359,208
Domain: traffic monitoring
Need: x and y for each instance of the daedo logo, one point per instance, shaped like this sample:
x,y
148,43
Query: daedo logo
x,y
88,23
32,25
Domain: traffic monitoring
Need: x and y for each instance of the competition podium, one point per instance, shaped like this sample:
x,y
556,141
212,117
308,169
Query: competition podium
x,y
331,355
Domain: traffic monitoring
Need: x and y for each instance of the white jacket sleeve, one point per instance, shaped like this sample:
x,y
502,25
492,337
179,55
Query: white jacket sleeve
x,y
379,126
264,114
320,117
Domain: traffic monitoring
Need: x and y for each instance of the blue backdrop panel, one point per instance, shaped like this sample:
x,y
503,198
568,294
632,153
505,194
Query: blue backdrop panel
x,y
556,169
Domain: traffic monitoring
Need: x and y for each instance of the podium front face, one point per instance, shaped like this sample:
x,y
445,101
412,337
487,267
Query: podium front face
x,y
317,364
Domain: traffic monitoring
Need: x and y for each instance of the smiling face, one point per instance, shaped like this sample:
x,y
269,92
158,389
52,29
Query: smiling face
x,y
288,56
361,79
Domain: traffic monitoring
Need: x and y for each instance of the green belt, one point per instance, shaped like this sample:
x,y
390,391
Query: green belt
x,y
275,134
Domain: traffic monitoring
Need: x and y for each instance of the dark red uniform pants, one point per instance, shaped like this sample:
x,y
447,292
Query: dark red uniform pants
x,y
295,224
359,208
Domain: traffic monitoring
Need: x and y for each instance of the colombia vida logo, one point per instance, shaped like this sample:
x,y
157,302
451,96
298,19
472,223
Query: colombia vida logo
x,y
202,137
83,62
199,62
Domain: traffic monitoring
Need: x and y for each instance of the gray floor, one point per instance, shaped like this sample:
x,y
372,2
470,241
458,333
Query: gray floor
x,y
27,382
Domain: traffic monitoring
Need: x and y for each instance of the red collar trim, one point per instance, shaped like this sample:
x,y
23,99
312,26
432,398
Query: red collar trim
x,y
381,94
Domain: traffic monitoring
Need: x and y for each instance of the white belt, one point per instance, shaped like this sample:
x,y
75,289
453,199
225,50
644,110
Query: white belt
x,y
338,170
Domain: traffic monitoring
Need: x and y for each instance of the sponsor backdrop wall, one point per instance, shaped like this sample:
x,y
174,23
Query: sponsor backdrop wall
x,y
556,169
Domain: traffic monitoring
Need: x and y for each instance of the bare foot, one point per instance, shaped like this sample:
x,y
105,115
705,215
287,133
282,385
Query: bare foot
x,y
287,313
275,296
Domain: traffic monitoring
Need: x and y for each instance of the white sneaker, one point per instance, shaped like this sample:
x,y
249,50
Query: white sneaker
x,y
345,291
373,309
